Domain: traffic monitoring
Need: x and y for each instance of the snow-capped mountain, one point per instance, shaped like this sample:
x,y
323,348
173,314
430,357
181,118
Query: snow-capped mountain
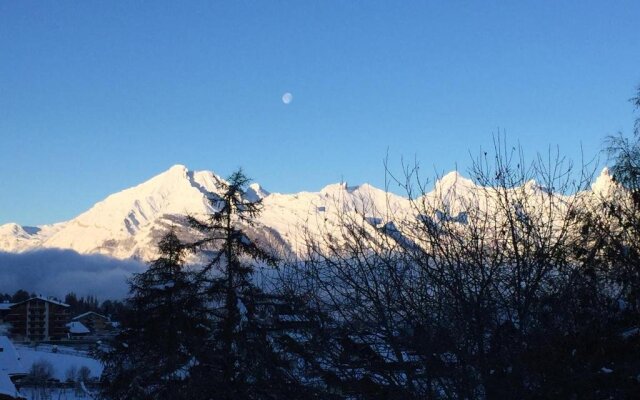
x,y
129,223
122,224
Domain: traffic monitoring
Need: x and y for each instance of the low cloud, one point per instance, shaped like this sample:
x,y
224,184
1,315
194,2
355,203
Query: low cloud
x,y
55,272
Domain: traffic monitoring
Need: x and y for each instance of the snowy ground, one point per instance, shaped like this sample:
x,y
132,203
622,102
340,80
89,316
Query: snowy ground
x,y
62,360
54,394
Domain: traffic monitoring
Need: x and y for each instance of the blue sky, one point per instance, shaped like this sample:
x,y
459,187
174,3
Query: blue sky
x,y
98,96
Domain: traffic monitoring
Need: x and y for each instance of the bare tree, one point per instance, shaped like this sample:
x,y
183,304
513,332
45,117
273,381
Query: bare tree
x,y
454,299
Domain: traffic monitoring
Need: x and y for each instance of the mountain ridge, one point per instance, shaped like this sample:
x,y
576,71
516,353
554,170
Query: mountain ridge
x,y
128,223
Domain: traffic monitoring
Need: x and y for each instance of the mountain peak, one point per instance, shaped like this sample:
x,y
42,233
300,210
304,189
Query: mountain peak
x,y
178,168
603,183
453,179
125,214
334,187
255,192
11,228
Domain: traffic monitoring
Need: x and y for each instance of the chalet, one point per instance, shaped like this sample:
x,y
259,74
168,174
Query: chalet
x,y
36,319
77,330
97,324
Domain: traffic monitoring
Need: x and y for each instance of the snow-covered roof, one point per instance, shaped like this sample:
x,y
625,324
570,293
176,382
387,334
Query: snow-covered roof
x,y
7,387
5,306
47,299
9,358
77,328
89,313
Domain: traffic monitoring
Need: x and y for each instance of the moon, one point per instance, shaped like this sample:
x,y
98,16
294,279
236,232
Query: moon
x,y
287,98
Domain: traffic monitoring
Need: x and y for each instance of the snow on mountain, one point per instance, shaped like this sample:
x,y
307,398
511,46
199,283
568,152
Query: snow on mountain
x,y
125,223
604,183
129,223
452,193
295,216
110,225
14,237
256,192
453,181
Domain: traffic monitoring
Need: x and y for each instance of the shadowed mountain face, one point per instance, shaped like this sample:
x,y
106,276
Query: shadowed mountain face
x,y
128,224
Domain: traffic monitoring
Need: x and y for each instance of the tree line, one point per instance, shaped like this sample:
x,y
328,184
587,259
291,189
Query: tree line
x,y
526,286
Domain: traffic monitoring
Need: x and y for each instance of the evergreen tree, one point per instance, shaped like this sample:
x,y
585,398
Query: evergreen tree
x,y
20,295
162,334
72,300
240,361
113,309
